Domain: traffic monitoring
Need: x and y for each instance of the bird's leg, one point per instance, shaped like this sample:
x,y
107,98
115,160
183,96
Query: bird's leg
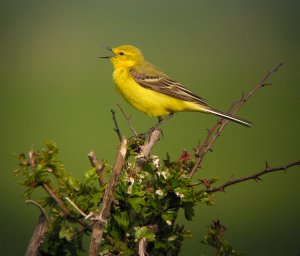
x,y
161,120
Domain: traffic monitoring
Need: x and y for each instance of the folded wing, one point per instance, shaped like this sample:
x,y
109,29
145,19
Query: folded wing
x,y
163,84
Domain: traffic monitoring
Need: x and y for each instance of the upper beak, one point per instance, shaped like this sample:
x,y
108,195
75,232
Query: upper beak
x,y
107,57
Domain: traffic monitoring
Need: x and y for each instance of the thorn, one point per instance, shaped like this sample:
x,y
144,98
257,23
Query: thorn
x,y
210,149
267,166
265,84
257,179
243,97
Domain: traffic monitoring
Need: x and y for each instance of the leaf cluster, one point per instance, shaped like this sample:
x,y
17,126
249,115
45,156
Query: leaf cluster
x,y
214,238
146,204
41,170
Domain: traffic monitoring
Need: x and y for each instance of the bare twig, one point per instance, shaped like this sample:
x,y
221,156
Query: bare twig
x,y
236,106
99,167
117,130
215,131
39,232
99,224
142,247
75,206
255,176
58,201
62,206
128,119
154,137
43,212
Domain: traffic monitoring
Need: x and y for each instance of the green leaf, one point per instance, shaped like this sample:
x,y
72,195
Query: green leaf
x,y
136,203
185,194
122,248
73,183
169,215
28,192
67,233
144,232
189,211
172,238
90,175
137,191
115,234
122,219
160,245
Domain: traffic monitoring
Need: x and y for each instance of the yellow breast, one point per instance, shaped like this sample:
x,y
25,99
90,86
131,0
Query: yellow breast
x,y
146,100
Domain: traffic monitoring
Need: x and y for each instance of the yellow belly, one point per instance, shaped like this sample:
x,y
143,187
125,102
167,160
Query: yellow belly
x,y
148,101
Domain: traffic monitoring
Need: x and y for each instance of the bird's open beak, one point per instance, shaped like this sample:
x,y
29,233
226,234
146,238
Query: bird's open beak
x,y
107,57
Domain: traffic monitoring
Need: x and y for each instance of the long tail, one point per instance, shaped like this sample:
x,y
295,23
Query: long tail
x,y
227,116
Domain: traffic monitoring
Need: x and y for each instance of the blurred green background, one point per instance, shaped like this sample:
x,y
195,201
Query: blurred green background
x,y
53,86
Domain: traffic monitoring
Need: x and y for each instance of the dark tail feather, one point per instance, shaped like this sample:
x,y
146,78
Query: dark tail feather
x,y
228,116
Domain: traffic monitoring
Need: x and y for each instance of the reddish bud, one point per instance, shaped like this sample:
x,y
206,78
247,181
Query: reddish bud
x,y
184,156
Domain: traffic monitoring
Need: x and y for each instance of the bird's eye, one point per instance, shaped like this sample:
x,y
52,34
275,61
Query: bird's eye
x,y
121,53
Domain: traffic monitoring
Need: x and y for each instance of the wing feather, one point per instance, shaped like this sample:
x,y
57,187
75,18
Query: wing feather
x,y
163,84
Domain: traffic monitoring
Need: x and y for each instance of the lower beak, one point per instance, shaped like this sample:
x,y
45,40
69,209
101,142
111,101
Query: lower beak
x,y
107,57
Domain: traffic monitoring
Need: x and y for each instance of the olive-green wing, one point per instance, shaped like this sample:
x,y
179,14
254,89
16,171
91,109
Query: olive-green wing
x,y
163,84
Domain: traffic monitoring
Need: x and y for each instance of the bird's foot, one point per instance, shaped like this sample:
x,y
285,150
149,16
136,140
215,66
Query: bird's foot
x,y
146,134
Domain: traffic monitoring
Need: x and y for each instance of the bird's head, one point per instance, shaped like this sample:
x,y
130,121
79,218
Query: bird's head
x,y
125,56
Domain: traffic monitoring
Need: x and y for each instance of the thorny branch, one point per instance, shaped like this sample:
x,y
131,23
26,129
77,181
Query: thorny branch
x,y
128,119
116,129
99,224
215,131
255,176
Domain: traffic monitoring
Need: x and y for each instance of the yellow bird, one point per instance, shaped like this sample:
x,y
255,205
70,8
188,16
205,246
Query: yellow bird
x,y
153,92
